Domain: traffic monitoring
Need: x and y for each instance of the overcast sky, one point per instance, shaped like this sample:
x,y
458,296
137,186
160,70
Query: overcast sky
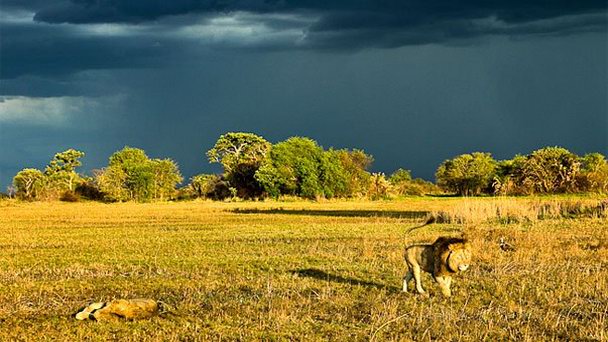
x,y
411,82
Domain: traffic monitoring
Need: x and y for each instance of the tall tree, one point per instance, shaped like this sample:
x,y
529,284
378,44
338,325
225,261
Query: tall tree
x,y
356,164
166,177
241,155
294,168
62,168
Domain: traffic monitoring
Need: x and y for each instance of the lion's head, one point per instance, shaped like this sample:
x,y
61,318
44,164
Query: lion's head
x,y
459,259
452,255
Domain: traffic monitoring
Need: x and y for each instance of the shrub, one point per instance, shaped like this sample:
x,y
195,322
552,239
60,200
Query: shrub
x,y
69,196
549,170
89,190
211,186
467,174
379,187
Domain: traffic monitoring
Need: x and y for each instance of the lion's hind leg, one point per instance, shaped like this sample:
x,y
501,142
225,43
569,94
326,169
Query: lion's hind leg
x,y
417,276
406,279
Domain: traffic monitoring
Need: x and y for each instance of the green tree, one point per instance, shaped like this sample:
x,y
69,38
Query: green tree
x,y
507,180
594,173
333,176
131,175
293,168
63,167
111,181
403,184
28,183
400,176
467,174
356,164
166,177
298,166
592,162
550,170
241,155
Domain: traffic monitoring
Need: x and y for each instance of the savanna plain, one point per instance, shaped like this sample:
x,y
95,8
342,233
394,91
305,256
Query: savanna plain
x,y
328,270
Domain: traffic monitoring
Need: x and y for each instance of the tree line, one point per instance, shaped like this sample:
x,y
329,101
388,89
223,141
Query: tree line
x,y
549,170
254,168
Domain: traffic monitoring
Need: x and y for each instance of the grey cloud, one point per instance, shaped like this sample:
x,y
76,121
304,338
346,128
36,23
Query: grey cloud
x,y
154,32
54,51
362,23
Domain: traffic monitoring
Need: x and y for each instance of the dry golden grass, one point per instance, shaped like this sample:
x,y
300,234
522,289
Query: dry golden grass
x,y
298,271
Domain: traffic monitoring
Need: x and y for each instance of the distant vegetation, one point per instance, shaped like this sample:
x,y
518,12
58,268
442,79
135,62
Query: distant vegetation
x,y
549,170
299,167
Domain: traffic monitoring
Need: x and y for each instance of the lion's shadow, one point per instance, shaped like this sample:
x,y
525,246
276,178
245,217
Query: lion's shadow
x,y
322,275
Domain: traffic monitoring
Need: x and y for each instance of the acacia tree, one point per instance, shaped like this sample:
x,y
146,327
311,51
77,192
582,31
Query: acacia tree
x,y
241,155
467,174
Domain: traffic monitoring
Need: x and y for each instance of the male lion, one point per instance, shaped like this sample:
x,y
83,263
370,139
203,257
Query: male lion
x,y
442,258
121,308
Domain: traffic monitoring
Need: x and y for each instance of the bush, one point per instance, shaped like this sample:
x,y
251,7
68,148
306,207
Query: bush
x,y
416,187
379,187
69,196
549,170
467,174
594,174
211,186
89,190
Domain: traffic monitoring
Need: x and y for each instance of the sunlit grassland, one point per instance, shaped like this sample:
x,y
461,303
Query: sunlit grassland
x,y
297,271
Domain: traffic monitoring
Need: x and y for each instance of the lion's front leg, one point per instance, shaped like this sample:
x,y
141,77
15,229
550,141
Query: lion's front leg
x,y
444,285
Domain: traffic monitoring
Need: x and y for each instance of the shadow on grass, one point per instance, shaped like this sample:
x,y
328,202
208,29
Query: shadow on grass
x,y
338,213
322,275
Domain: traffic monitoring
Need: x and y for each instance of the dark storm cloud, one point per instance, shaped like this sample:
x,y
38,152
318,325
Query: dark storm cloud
x,y
355,24
403,12
50,50
59,42
57,50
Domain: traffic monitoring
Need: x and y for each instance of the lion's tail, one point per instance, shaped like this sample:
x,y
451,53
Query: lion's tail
x,y
430,220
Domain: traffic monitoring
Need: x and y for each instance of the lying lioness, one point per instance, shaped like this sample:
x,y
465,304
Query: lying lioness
x,y
129,309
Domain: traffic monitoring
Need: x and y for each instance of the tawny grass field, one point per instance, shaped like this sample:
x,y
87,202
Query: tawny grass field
x,y
299,271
